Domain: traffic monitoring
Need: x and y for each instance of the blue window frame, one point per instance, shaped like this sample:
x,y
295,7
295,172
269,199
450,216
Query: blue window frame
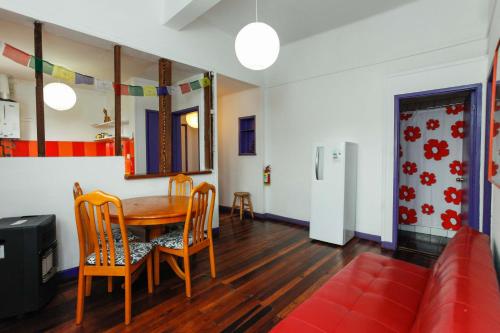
x,y
247,135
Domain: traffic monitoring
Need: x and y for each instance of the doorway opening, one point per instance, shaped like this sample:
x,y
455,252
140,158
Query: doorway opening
x,y
437,167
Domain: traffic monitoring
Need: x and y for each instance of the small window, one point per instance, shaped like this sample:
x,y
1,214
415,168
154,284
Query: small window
x,y
247,136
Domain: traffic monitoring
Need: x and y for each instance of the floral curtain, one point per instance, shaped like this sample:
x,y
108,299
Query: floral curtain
x,y
430,153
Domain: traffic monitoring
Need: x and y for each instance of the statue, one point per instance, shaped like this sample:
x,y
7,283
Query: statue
x,y
107,118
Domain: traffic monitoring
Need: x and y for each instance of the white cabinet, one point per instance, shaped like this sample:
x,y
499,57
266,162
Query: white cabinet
x,y
9,120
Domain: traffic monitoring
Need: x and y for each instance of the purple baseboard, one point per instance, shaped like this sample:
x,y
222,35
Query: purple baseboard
x,y
272,217
389,245
67,275
370,237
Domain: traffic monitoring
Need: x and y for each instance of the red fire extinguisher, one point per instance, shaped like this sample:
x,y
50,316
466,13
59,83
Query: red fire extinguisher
x,y
267,175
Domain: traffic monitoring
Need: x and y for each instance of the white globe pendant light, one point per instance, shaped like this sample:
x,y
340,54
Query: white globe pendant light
x,y
257,45
59,96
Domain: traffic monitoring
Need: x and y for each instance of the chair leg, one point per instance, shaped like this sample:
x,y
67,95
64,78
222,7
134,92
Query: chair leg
x,y
234,205
157,266
241,209
110,284
88,285
251,207
187,275
149,264
128,298
212,259
80,297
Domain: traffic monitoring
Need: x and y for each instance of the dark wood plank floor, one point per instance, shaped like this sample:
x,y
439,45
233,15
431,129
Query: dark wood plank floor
x,y
264,270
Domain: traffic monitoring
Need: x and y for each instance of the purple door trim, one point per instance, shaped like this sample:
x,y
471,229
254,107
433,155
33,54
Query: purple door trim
x,y
487,184
475,155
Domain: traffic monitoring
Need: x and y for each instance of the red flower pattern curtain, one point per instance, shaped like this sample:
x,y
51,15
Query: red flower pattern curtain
x,y
430,162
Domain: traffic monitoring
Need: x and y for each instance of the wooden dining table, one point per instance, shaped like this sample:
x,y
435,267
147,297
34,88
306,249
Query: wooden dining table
x,y
154,213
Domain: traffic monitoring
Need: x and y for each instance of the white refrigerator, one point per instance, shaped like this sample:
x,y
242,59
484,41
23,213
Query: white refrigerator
x,y
333,192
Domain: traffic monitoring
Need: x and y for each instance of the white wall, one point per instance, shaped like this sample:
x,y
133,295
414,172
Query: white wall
x,y
32,186
342,87
240,173
494,35
71,125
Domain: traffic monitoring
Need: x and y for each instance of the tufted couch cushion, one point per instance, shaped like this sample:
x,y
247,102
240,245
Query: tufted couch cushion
x,y
380,294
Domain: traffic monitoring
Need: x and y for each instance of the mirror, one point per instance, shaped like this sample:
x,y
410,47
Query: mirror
x,y
79,101
494,119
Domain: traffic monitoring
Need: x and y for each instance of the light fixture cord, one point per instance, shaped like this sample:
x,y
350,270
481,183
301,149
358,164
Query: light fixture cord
x,y
256,11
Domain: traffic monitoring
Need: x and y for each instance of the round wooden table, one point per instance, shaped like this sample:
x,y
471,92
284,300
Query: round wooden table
x,y
153,212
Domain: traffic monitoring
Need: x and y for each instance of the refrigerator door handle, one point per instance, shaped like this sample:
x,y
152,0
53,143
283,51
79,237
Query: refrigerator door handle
x,y
317,163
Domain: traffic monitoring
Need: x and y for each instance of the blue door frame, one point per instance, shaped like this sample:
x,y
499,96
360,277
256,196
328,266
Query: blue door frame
x,y
475,154
176,137
152,142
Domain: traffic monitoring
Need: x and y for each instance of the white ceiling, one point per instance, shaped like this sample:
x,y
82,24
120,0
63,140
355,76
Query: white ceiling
x,y
295,19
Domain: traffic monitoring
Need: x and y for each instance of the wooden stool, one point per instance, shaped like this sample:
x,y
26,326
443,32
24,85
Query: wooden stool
x,y
242,196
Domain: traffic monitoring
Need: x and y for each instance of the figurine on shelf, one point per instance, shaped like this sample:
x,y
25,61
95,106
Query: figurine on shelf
x,y
107,118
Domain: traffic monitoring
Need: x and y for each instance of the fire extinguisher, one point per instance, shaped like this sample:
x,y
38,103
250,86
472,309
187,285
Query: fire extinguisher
x,y
267,175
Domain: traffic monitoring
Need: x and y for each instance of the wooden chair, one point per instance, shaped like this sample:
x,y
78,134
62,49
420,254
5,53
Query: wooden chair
x,y
77,191
192,239
183,184
100,254
242,196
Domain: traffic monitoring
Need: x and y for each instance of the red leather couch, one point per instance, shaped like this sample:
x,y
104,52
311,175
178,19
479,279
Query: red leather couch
x,y
380,294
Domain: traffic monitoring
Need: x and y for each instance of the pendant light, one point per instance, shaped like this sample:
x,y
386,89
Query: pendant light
x,y
257,45
192,119
59,96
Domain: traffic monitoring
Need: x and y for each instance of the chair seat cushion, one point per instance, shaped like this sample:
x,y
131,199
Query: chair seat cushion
x,y
138,251
173,240
117,236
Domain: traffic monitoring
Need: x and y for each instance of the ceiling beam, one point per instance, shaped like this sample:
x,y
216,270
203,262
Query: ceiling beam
x,y
177,14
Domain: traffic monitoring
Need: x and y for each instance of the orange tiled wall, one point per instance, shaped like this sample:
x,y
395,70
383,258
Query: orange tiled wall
x,y
24,148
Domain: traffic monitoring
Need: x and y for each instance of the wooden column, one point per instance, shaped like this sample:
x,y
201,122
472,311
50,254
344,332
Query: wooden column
x,y
165,117
207,95
40,118
118,102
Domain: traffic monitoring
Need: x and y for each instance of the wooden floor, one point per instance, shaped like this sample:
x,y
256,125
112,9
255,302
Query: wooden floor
x,y
264,270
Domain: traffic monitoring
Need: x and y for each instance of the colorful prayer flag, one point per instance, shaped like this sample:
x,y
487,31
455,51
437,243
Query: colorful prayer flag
x,y
150,91
195,85
185,88
39,65
172,90
205,82
16,55
121,89
83,79
162,91
135,91
103,84
64,74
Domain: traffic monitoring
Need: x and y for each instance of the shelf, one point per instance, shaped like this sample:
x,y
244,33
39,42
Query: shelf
x,y
110,139
109,124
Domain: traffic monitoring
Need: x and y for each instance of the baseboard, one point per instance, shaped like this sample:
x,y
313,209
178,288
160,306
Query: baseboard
x,y
389,245
67,275
370,237
272,217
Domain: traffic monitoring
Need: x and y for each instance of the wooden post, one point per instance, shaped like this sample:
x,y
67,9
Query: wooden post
x,y
165,117
118,102
207,95
40,118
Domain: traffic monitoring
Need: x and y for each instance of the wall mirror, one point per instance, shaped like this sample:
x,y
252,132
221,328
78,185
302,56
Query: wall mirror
x,y
494,122
100,99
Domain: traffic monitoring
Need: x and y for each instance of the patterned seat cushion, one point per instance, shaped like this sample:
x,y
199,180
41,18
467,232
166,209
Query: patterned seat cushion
x,y
173,240
138,251
117,236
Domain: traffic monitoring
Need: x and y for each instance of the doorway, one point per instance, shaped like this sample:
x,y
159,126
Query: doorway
x,y
437,167
185,140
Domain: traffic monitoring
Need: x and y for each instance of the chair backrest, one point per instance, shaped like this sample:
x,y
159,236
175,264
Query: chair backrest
x,y
183,185
200,216
95,233
84,216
